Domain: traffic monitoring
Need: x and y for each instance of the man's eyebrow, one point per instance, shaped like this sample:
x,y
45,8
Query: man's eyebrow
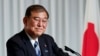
x,y
36,17
39,17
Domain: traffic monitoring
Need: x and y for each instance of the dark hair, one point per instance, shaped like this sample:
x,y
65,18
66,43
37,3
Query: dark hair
x,y
36,8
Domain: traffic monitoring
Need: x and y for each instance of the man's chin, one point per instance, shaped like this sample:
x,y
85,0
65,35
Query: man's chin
x,y
39,34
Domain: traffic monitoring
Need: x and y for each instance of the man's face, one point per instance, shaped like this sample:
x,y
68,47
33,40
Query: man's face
x,y
36,24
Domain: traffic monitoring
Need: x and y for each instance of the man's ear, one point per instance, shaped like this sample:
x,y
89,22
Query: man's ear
x,y
25,20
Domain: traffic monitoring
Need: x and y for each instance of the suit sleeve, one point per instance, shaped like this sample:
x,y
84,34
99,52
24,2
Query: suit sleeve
x,y
13,49
58,51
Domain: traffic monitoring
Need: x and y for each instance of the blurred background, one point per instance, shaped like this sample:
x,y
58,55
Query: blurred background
x,y
65,23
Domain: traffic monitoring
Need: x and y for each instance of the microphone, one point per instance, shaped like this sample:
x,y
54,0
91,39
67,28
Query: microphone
x,y
69,49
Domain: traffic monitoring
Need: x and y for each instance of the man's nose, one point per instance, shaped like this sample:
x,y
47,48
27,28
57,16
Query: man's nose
x,y
40,23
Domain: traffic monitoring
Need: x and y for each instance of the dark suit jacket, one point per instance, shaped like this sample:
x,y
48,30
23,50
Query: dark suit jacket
x,y
20,45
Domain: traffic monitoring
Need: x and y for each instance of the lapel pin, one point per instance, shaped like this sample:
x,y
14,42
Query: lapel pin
x,y
45,45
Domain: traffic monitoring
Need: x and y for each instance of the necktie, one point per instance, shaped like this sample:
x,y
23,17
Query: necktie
x,y
37,49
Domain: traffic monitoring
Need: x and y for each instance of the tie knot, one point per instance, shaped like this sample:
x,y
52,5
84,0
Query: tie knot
x,y
35,44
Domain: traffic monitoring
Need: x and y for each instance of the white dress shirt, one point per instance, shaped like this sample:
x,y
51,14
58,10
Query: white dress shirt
x,y
32,40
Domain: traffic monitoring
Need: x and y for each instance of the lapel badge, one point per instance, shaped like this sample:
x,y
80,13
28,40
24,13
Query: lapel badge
x,y
46,48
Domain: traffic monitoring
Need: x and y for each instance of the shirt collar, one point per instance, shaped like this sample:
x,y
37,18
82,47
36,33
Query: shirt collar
x,y
31,40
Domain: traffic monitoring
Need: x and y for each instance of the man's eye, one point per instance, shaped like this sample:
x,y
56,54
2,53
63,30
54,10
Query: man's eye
x,y
45,20
37,19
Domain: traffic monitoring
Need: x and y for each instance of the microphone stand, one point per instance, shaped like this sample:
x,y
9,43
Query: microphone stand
x,y
68,49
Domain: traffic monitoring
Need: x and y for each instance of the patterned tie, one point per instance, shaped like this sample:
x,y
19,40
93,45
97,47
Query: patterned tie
x,y
37,49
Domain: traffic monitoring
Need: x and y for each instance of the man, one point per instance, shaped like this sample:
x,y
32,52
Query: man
x,y
32,41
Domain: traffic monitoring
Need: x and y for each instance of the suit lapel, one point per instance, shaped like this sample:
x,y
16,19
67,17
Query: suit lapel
x,y
28,44
43,46
30,48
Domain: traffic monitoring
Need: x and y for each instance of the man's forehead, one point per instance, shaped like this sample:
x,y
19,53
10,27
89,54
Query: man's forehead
x,y
39,14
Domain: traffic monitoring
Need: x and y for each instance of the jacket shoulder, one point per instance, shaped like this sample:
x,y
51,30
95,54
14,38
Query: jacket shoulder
x,y
16,39
47,36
